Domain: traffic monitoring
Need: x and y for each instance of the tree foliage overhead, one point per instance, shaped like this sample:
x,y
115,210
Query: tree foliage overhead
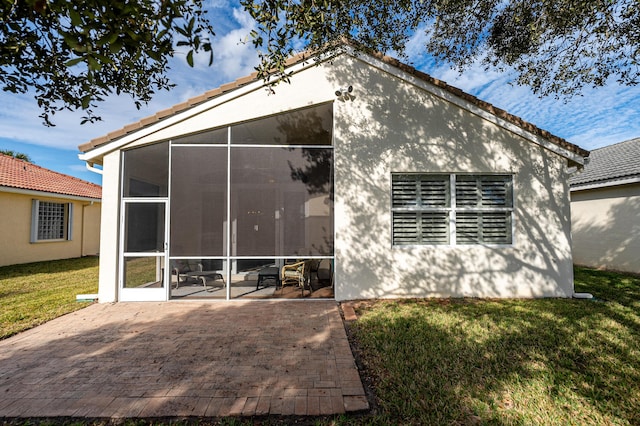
x,y
73,54
555,46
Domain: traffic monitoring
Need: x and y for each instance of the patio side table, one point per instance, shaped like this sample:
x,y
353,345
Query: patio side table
x,y
270,273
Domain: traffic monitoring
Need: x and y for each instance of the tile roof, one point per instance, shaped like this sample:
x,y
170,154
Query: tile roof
x,y
610,163
305,57
21,174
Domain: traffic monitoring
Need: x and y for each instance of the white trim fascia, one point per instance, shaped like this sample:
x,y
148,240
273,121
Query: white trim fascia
x,y
35,193
181,116
605,184
468,106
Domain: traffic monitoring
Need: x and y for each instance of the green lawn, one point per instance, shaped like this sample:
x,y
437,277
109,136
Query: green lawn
x,y
443,361
34,293
520,362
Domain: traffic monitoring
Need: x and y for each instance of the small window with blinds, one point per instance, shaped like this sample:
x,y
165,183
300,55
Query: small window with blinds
x,y
452,209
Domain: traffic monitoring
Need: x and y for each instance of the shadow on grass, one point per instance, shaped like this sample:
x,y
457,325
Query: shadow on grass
x,y
48,267
545,361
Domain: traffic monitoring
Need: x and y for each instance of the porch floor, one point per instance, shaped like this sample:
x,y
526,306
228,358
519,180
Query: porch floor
x,y
242,288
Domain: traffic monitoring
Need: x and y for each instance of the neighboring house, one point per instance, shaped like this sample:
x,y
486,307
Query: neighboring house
x,y
605,209
401,184
45,215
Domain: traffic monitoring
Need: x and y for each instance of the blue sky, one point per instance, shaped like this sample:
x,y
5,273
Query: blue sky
x,y
598,118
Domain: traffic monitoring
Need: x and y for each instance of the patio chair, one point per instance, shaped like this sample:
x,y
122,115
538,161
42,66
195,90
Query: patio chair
x,y
296,274
188,270
180,268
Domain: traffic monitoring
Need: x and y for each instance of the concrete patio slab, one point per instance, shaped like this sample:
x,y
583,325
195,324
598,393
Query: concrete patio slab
x,y
178,359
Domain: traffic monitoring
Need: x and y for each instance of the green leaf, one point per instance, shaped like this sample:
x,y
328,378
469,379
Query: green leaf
x,y
182,31
74,61
190,58
86,101
93,64
115,46
75,18
108,38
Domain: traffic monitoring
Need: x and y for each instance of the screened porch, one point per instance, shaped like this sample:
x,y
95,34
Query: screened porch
x,y
230,210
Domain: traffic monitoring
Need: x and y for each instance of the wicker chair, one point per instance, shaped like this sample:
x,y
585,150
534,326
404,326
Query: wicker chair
x,y
296,274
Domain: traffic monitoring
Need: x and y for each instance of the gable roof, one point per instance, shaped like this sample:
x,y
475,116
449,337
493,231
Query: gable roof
x,y
22,175
304,57
610,165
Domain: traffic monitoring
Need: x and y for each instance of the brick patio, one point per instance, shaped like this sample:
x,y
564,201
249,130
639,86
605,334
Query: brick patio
x,y
183,359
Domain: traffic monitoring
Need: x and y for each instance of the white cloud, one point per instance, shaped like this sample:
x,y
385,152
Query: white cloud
x,y
601,116
415,46
77,167
20,122
234,54
216,4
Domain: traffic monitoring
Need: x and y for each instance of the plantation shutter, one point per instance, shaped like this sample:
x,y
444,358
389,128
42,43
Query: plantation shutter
x,y
483,227
420,206
483,209
435,227
483,191
405,228
404,191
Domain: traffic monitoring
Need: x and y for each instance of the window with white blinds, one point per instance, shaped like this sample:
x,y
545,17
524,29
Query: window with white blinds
x,y
451,209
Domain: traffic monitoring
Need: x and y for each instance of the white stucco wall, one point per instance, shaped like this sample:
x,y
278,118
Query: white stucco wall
x,y
606,227
109,229
390,125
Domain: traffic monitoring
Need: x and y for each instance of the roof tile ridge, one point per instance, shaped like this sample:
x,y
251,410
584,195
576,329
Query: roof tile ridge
x,y
632,141
10,157
592,179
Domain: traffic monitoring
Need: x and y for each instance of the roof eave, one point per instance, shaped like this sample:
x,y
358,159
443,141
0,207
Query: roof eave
x,y
34,192
605,184
94,150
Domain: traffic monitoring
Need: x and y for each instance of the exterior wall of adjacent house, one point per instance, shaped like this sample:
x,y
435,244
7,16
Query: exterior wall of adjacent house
x,y
15,227
91,231
606,227
391,125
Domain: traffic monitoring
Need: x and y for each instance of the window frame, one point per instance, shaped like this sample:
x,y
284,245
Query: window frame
x,y
456,210
37,217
